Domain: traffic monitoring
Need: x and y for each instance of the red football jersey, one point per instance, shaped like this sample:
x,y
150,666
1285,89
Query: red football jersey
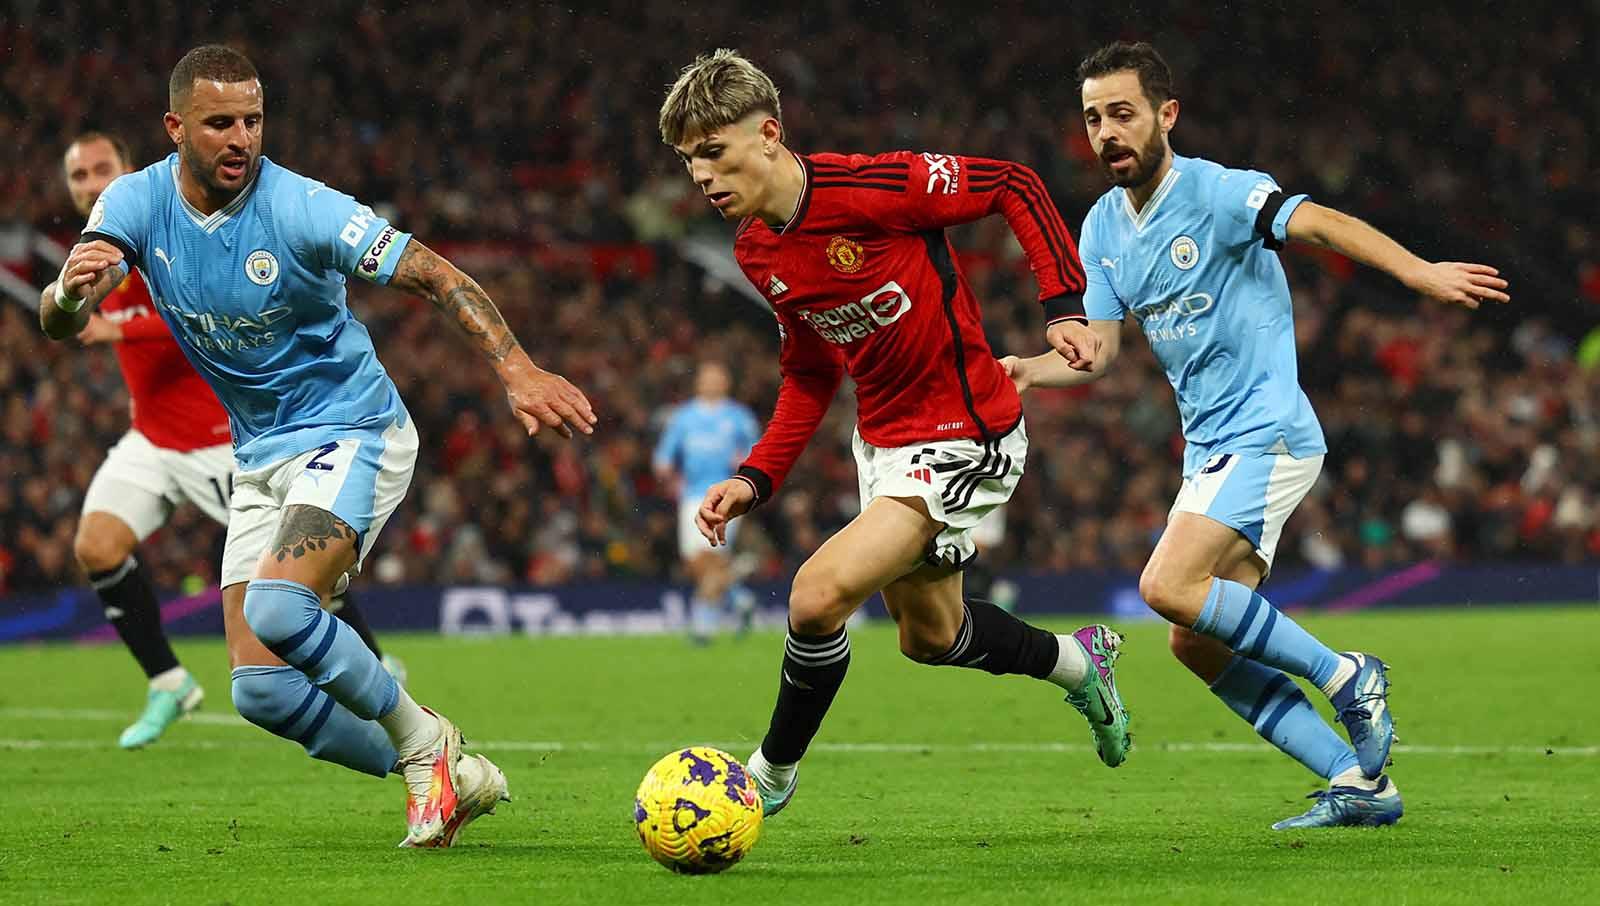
x,y
863,281
170,403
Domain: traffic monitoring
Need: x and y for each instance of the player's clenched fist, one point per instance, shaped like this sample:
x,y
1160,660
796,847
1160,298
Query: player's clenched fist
x,y
544,399
86,263
1075,342
724,502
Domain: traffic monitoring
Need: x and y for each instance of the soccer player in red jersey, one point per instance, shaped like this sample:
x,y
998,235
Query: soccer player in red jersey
x,y
850,252
178,448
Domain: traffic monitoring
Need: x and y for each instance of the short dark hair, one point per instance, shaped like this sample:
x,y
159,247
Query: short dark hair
x,y
212,62
115,141
1121,56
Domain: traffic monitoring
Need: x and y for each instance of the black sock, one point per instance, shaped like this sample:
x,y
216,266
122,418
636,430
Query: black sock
x,y
344,607
813,668
132,609
993,640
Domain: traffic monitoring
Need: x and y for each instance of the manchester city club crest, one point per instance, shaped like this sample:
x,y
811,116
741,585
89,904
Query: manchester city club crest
x,y
846,255
261,267
1185,253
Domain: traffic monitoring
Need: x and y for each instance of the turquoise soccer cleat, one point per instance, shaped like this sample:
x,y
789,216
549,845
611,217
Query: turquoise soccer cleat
x,y
1348,806
161,710
1098,700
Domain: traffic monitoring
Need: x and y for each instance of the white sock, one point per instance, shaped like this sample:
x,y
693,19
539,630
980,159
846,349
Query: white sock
x,y
1353,777
1347,669
771,776
1072,664
169,680
411,728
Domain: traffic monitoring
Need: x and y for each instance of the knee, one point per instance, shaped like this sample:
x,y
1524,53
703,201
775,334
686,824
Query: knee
x,y
276,609
98,552
1166,595
269,697
817,606
926,644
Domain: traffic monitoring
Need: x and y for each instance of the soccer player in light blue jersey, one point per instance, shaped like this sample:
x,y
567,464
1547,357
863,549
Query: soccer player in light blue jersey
x,y
705,439
1187,248
246,262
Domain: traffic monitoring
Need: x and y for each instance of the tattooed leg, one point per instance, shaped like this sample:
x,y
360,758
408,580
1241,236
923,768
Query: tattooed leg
x,y
312,547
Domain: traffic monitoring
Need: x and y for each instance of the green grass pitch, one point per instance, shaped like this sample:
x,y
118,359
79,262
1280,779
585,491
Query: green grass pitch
x,y
926,786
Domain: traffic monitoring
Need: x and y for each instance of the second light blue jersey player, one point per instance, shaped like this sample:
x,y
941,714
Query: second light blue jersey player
x,y
1198,270
703,440
255,294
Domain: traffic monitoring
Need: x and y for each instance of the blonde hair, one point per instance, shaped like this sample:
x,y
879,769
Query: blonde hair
x,y
717,89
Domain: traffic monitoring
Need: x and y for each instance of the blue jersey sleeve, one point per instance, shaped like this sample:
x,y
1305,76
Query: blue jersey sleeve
x,y
121,216
342,234
666,454
1100,300
1248,205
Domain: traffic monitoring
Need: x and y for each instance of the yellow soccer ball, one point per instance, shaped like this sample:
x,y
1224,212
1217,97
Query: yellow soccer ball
x,y
697,811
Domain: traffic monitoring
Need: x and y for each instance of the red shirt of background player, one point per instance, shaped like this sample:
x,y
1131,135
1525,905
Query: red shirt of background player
x,y
170,404
864,282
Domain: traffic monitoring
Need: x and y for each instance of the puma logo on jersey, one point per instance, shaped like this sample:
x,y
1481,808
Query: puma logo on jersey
x,y
162,254
1110,263
776,287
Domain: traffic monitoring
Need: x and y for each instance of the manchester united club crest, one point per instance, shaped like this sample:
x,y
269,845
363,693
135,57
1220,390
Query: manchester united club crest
x,y
846,255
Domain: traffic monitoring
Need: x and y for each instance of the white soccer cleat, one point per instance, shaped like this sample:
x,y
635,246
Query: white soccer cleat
x,y
446,790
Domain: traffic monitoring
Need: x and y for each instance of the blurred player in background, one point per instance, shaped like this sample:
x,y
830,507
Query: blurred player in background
x,y
1187,248
704,440
850,252
247,263
178,448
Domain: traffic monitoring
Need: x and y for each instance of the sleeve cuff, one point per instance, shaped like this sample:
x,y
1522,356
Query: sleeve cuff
x,y
1067,306
760,481
129,256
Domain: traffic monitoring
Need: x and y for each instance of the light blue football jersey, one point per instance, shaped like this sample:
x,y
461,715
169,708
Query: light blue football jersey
x,y
1198,270
255,295
705,442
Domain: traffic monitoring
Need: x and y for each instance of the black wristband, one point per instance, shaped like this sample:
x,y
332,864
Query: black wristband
x,y
759,480
1066,305
128,254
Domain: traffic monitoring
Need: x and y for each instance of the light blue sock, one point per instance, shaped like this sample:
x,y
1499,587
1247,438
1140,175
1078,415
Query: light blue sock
x,y
288,618
1251,626
1270,701
283,702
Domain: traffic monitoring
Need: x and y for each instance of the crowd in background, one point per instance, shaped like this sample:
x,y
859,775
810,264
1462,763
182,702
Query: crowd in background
x,y
521,138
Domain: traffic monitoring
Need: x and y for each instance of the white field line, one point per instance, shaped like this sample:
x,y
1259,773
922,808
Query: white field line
x,y
647,748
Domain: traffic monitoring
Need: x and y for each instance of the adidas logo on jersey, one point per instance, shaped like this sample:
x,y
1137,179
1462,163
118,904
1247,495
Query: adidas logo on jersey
x,y
776,287
924,474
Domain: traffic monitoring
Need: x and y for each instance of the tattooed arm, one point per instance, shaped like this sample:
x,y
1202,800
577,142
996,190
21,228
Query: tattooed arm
x,y
538,397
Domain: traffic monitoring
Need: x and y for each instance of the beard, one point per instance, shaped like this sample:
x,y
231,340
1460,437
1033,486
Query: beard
x,y
1146,162
205,171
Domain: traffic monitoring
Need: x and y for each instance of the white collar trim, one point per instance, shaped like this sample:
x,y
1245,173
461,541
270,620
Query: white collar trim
x,y
1141,219
211,223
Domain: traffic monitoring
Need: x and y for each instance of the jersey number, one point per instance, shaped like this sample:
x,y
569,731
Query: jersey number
x,y
316,462
223,488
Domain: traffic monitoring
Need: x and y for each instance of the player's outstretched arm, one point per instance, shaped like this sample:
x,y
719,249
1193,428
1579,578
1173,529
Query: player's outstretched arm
x,y
1051,369
1452,282
537,397
90,274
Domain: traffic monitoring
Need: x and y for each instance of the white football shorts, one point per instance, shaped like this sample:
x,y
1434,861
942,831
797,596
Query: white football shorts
x,y
141,483
960,481
361,480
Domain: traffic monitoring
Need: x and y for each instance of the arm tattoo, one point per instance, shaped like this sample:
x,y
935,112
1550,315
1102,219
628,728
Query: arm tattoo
x,y
304,529
425,274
